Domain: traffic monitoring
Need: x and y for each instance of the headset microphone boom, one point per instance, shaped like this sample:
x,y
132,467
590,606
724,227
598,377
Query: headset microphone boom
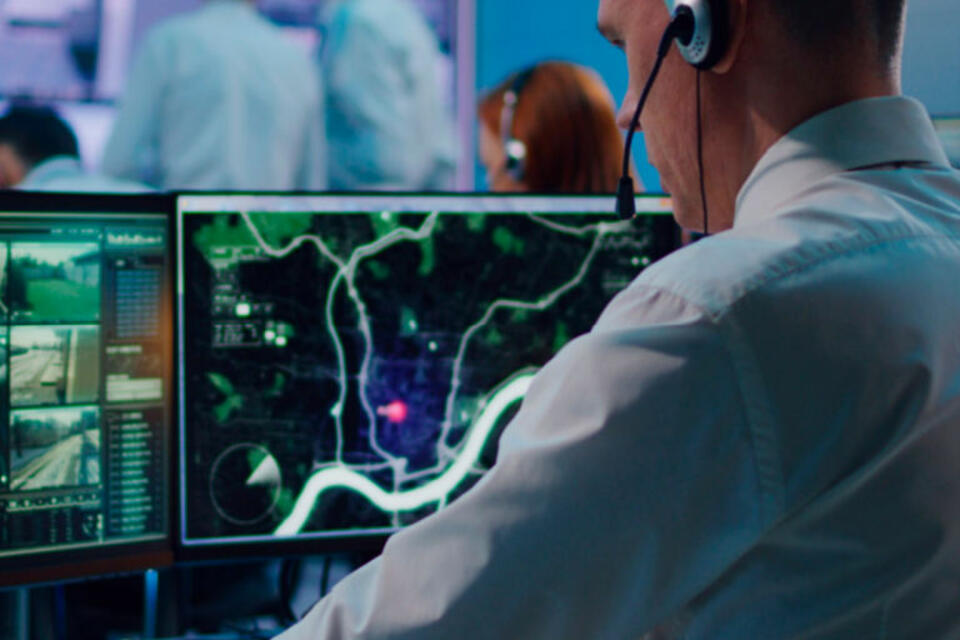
x,y
701,30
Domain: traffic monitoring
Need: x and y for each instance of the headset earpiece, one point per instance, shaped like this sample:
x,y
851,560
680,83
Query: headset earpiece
x,y
515,149
710,37
515,165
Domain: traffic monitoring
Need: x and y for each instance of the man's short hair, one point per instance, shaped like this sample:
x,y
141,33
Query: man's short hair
x,y
37,134
822,22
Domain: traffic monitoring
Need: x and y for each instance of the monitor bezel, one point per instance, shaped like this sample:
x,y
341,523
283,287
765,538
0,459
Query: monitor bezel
x,y
31,569
362,544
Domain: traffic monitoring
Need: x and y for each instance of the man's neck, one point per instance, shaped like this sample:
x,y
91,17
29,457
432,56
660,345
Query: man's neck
x,y
773,104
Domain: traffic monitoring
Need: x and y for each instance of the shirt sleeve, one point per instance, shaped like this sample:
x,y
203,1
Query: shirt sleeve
x,y
312,170
132,152
625,486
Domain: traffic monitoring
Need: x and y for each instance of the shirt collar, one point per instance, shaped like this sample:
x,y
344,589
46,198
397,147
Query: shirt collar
x,y
51,169
858,134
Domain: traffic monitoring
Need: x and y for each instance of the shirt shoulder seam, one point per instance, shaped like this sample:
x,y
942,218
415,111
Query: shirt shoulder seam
x,y
825,258
763,440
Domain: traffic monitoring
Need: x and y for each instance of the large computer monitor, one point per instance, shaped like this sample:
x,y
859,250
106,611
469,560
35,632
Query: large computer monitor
x,y
86,405
948,128
347,362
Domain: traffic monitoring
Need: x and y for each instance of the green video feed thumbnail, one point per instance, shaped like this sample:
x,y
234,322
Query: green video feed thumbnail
x,y
54,282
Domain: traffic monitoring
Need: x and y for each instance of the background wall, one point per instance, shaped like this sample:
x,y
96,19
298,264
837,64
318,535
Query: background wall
x,y
512,34
931,56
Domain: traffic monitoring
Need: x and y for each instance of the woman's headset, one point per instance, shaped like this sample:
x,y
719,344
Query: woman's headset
x,y
701,29
515,149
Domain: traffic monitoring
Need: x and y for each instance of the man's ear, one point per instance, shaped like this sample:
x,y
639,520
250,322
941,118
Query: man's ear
x,y
738,29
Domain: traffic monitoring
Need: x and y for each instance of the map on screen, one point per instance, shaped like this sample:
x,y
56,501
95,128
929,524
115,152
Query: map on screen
x,y
349,372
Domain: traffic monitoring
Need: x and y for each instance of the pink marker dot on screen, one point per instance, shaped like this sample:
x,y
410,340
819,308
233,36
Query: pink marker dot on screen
x,y
395,412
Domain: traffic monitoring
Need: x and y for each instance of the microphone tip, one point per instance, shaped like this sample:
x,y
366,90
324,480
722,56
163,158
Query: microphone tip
x,y
626,200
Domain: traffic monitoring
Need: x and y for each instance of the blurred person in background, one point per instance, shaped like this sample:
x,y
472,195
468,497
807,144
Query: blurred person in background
x,y
38,152
388,127
551,128
219,99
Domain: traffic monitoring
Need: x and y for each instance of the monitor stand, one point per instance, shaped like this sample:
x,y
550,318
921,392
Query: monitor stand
x,y
150,590
15,614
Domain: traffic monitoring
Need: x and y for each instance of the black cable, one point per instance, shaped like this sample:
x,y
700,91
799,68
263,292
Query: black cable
x,y
703,186
60,612
325,575
680,27
288,576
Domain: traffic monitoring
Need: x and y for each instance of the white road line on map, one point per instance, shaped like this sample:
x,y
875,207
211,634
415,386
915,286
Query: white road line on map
x,y
348,476
434,491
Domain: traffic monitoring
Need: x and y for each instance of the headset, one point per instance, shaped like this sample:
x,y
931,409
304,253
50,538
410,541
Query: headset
x,y
710,36
515,150
701,29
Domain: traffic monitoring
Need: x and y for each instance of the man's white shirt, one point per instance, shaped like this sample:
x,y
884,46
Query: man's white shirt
x,y
758,439
67,175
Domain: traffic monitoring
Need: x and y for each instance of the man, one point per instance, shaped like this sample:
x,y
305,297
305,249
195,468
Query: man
x,y
387,123
219,99
38,152
759,437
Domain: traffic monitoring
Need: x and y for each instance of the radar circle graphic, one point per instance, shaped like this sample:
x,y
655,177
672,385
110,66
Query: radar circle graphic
x,y
245,484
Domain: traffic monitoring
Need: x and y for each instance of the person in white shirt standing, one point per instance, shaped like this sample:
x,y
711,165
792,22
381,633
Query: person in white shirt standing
x,y
219,99
388,125
759,437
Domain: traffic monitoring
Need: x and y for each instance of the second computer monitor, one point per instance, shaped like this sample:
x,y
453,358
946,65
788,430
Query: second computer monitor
x,y
347,363
86,363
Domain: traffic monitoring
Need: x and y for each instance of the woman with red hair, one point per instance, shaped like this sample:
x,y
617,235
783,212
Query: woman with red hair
x,y
551,129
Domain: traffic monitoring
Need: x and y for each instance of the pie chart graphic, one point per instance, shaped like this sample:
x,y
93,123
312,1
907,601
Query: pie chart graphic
x,y
245,484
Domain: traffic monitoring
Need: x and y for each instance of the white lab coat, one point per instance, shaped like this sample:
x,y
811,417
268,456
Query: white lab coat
x,y
220,99
758,439
388,125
